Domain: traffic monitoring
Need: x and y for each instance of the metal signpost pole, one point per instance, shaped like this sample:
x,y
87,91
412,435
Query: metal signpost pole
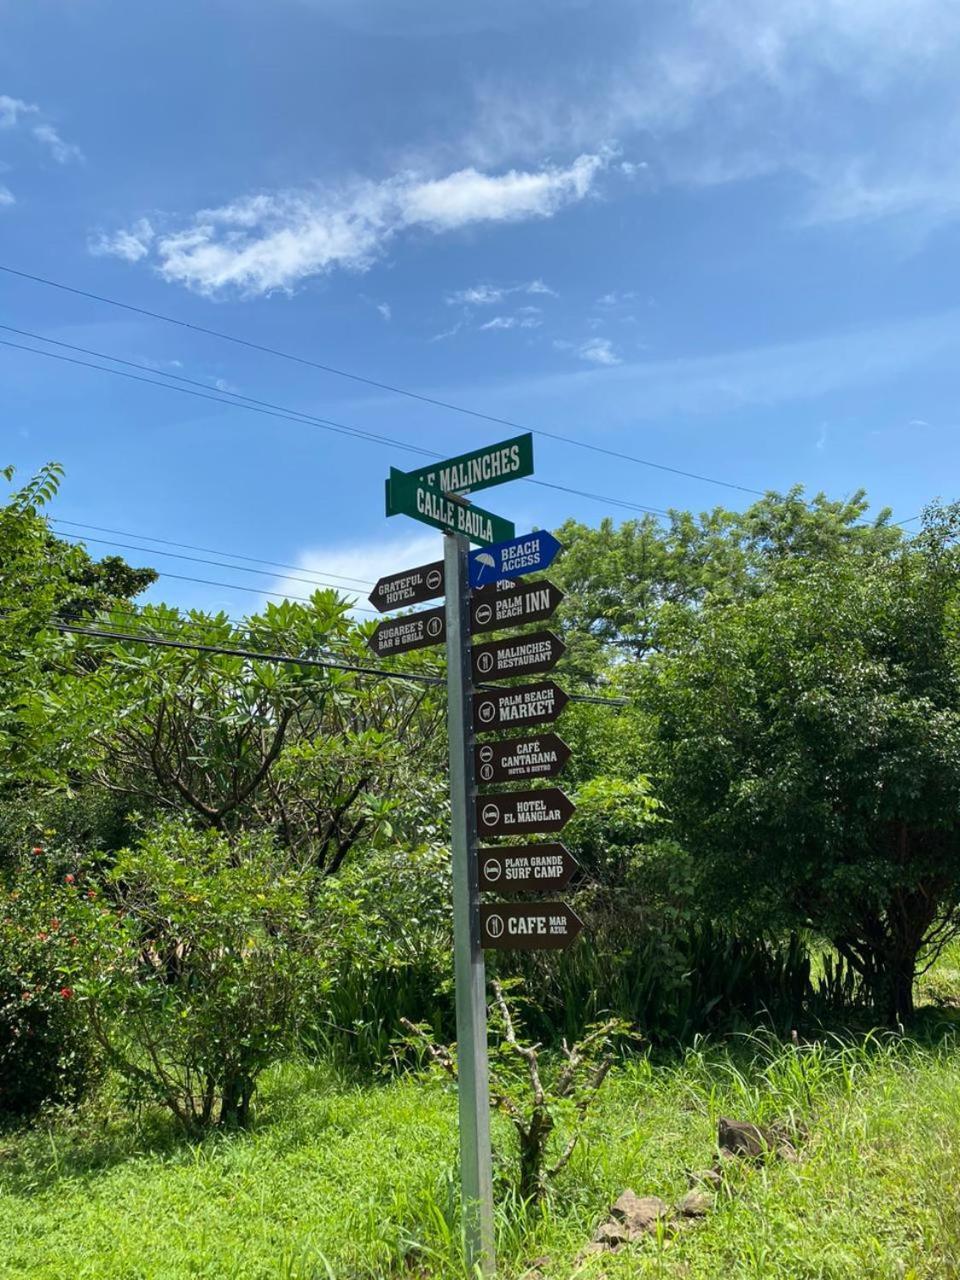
x,y
476,1170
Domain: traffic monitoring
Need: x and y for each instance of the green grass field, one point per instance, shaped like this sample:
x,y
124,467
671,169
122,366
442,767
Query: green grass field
x,y
344,1181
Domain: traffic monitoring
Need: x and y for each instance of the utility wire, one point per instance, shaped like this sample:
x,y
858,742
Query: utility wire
x,y
220,564
259,656
381,386
265,407
213,551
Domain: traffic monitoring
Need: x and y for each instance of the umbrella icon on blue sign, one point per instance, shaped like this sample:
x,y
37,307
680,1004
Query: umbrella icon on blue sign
x,y
488,562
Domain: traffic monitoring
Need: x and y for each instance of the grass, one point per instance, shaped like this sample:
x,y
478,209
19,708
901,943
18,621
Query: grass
x,y
341,1180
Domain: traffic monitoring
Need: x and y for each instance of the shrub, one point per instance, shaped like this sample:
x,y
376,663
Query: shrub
x,y
204,961
45,1053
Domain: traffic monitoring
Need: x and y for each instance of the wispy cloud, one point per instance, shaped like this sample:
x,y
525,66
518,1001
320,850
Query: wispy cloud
x,y
274,240
62,152
131,244
385,310
485,295
521,320
729,90
6,197
16,114
353,568
593,351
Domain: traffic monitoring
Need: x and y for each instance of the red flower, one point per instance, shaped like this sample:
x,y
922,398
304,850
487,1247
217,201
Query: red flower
x,y
54,924
37,851
42,936
69,878
67,993
91,894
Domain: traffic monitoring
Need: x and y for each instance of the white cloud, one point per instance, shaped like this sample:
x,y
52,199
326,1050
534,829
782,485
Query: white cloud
x,y
598,351
62,152
6,197
353,568
11,109
731,90
273,241
131,245
385,310
484,295
518,321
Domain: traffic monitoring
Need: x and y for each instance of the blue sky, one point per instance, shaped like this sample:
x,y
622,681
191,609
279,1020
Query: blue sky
x,y
723,236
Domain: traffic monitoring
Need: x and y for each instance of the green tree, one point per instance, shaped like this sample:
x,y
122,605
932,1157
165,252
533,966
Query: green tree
x,y
43,578
617,579
808,744
321,756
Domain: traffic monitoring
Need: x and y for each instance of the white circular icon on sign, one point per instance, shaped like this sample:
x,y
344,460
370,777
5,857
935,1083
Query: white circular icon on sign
x,y
434,626
484,614
494,926
492,870
490,815
434,578
486,772
485,663
487,712
486,754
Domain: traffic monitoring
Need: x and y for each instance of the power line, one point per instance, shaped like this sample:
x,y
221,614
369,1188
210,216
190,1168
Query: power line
x,y
220,564
259,656
272,410
381,386
189,546
266,408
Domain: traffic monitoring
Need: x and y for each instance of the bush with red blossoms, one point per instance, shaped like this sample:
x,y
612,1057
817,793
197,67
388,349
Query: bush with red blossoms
x,y
46,1053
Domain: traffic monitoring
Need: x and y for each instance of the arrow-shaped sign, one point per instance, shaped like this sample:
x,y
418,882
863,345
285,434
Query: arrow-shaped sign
x,y
518,656
518,705
522,813
534,756
508,605
414,631
512,559
528,926
527,868
413,586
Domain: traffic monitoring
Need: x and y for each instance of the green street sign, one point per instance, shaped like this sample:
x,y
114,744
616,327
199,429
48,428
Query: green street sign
x,y
482,469
408,495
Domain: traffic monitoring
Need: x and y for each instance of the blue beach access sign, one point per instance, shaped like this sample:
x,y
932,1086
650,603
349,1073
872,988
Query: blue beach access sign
x,y
512,559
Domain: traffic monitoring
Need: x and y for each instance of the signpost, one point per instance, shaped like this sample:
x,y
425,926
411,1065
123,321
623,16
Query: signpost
x,y
482,469
433,495
523,813
535,756
493,608
528,926
529,554
414,631
529,868
518,705
406,495
519,656
412,587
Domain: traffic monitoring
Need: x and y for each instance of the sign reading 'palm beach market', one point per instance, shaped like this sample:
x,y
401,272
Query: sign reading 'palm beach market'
x,y
519,705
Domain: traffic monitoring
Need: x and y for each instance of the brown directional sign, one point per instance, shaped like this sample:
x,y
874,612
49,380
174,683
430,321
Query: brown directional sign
x,y
413,586
519,705
507,604
415,631
518,656
523,813
527,868
528,926
533,756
